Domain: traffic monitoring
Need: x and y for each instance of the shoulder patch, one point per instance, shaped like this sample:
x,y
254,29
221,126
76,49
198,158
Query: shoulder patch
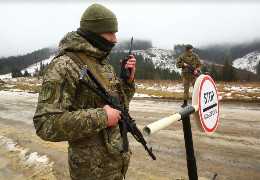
x,y
47,90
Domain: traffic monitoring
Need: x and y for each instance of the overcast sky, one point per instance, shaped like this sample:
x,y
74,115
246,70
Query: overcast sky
x,y
26,26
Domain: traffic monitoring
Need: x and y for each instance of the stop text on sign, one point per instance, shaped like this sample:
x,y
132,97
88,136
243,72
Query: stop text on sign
x,y
208,97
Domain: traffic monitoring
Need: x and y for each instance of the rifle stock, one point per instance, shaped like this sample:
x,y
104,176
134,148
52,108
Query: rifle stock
x,y
191,69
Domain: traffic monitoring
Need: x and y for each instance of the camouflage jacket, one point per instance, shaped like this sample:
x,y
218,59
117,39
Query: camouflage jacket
x,y
68,110
191,58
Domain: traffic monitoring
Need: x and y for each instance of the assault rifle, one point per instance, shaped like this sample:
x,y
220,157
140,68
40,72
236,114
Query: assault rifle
x,y
191,69
126,123
125,73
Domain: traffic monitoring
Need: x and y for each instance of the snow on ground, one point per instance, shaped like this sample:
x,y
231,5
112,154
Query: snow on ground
x,y
242,89
6,76
144,95
248,62
170,88
32,159
174,88
245,92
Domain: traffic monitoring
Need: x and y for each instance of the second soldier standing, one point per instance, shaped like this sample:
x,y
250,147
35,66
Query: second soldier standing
x,y
189,77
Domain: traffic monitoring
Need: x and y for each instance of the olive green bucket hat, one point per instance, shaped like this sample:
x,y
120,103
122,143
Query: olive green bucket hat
x,y
99,19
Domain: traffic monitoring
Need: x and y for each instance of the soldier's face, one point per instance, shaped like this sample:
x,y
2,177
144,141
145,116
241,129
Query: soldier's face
x,y
110,36
190,51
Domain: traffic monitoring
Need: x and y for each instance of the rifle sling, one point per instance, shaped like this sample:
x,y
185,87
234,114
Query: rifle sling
x,y
123,132
81,59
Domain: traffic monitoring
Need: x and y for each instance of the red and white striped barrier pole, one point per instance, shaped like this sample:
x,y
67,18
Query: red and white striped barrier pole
x,y
226,95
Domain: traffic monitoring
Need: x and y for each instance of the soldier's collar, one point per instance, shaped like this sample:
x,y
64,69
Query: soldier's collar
x,y
96,40
188,54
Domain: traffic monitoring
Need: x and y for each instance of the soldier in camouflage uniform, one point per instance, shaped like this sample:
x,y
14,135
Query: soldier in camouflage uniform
x,y
69,111
188,76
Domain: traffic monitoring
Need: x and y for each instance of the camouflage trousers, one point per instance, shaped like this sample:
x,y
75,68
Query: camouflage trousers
x,y
92,163
188,80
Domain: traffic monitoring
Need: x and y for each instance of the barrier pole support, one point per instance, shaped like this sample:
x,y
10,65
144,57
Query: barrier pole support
x,y
191,161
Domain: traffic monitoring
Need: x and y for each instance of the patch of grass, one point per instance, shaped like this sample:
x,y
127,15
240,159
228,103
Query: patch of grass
x,y
27,87
22,83
165,94
248,91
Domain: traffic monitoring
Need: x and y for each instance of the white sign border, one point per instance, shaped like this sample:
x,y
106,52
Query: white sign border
x,y
210,131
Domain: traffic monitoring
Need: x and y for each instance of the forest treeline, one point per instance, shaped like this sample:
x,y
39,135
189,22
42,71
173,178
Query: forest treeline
x,y
227,72
137,45
219,53
17,63
145,66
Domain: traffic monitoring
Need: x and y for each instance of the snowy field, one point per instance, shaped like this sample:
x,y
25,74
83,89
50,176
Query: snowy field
x,y
244,91
146,89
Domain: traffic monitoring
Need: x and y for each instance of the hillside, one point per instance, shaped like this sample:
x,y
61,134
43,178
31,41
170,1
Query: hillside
x,y
248,62
152,63
219,53
31,69
147,68
165,59
7,65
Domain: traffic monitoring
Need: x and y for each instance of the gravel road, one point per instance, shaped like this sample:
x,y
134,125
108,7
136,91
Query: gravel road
x,y
232,151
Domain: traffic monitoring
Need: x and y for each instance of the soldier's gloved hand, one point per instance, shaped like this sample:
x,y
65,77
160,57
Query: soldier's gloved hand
x,y
196,72
113,115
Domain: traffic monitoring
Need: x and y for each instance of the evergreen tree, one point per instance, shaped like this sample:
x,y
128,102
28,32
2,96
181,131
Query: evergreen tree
x,y
258,68
26,74
213,73
224,73
228,72
232,72
16,72
137,45
219,76
205,69
42,67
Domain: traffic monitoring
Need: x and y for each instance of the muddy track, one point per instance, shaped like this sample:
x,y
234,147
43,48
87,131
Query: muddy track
x,y
232,150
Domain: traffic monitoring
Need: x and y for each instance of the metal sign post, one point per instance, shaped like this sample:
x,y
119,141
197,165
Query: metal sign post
x,y
191,160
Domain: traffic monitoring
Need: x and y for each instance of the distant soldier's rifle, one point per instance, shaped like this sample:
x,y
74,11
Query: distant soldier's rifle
x,y
191,69
126,123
